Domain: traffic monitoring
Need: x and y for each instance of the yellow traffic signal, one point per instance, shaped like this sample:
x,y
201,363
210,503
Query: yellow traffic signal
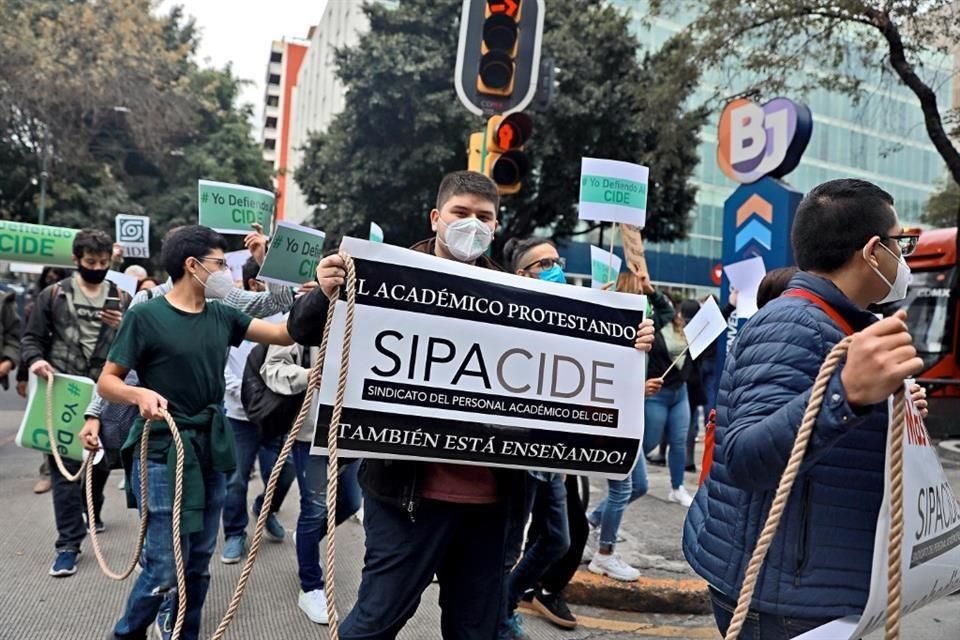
x,y
498,61
502,156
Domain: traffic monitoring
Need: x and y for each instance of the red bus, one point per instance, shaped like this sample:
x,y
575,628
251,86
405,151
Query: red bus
x,y
932,315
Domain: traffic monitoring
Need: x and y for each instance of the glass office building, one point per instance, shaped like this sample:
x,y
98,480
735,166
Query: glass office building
x,y
882,139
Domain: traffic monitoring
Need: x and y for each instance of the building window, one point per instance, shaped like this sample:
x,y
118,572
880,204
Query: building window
x,y
271,123
269,144
276,56
273,101
274,79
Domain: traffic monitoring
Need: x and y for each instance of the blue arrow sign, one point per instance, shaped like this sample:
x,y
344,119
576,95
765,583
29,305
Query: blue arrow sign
x,y
753,230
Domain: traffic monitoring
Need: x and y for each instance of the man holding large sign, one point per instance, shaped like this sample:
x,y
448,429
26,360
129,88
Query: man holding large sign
x,y
453,364
849,245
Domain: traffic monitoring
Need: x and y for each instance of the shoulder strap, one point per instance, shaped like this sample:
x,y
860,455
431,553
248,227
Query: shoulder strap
x,y
823,304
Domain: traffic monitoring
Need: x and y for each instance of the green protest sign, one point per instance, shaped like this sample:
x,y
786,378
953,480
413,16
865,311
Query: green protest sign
x,y
36,244
613,191
232,208
293,256
71,396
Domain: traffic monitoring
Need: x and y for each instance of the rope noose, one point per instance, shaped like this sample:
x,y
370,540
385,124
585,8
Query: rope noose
x,y
141,534
87,462
316,373
786,485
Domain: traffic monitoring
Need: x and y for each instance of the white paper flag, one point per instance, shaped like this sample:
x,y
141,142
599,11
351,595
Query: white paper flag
x,y
705,327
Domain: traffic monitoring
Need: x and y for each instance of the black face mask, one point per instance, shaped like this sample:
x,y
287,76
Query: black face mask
x,y
92,276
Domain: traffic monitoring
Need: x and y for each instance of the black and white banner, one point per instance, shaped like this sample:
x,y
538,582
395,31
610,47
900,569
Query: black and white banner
x,y
452,363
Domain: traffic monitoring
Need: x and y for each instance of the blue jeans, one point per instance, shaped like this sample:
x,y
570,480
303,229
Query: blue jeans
x,y
463,544
251,446
668,413
154,592
549,500
609,513
760,626
312,523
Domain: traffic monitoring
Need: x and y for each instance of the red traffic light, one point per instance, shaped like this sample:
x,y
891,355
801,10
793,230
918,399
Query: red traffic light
x,y
513,131
507,7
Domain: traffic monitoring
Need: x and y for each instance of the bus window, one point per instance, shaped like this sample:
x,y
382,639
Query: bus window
x,y
929,314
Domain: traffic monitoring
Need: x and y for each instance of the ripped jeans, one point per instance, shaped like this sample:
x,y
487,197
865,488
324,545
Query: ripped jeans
x,y
154,592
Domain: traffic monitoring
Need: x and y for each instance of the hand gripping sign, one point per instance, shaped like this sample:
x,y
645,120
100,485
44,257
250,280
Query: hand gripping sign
x,y
930,556
452,363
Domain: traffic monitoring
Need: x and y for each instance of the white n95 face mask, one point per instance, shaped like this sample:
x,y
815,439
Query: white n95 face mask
x,y
219,284
466,239
898,288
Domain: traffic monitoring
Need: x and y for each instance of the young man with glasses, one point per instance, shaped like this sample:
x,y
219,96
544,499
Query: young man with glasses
x,y
178,345
850,248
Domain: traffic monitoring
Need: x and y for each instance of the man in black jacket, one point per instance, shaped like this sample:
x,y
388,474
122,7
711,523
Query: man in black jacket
x,y
423,519
70,331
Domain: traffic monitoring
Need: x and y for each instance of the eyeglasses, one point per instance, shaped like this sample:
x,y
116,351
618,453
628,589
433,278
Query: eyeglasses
x,y
906,241
547,263
220,262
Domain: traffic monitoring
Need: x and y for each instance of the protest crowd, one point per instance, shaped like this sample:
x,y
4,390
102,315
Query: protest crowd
x,y
230,359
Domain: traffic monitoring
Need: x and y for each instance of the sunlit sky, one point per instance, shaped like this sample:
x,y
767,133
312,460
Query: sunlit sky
x,y
240,32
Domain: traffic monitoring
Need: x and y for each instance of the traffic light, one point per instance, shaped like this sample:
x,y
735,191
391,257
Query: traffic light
x,y
498,63
502,155
498,59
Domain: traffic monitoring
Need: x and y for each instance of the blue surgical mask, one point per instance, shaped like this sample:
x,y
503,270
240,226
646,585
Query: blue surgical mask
x,y
554,274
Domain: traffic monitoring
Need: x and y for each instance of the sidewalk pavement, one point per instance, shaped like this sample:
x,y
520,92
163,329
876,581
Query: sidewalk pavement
x,y
652,529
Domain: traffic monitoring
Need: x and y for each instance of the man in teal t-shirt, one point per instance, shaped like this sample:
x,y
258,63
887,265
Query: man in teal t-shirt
x,y
178,345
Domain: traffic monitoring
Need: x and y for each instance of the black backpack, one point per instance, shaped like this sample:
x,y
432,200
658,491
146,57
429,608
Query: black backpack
x,y
273,413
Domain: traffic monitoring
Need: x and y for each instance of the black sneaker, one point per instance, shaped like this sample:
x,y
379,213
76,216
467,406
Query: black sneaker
x,y
526,600
554,608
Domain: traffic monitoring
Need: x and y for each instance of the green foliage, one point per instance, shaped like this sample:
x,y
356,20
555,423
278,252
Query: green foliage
x,y
944,206
69,65
403,127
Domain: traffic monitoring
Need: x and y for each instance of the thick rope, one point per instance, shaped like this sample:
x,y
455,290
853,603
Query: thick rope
x,y
316,373
141,534
787,480
71,477
332,452
895,568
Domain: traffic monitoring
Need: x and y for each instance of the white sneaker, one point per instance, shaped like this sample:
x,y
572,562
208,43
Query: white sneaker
x,y
680,496
122,485
613,567
314,604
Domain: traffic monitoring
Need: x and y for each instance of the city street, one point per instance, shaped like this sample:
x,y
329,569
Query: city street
x,y
34,606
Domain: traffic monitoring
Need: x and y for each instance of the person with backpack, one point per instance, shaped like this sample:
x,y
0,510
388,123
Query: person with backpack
x,y
285,373
850,248
70,331
9,336
254,440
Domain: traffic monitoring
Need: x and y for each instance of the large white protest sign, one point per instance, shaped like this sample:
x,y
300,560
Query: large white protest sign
x,y
930,559
133,234
453,363
704,328
745,277
613,191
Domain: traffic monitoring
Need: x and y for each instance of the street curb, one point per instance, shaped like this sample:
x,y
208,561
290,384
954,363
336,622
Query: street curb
x,y
646,595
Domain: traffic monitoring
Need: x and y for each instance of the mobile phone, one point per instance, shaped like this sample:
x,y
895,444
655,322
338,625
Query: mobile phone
x,y
111,304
